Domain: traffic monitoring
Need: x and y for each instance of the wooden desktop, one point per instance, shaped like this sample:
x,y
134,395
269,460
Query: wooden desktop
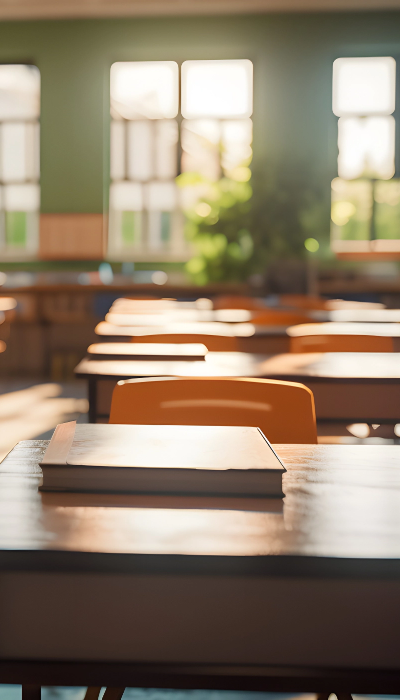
x,y
349,387
154,593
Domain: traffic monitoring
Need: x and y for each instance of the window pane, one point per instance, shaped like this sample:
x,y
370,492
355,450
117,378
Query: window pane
x,y
222,89
200,147
16,228
19,151
21,197
146,89
131,227
140,150
366,147
161,196
13,152
117,150
126,196
19,92
387,209
236,143
351,209
166,149
363,86
159,229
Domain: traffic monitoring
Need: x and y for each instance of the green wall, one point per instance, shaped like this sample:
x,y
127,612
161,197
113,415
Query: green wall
x,y
292,55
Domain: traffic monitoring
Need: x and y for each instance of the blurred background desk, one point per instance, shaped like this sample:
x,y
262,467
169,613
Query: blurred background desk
x,y
347,387
249,338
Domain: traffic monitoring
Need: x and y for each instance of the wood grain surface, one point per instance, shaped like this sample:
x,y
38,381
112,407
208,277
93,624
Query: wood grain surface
x,y
153,582
236,330
147,351
124,318
341,502
290,366
391,330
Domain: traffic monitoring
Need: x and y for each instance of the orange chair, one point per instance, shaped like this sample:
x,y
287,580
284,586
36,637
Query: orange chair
x,y
279,318
341,343
214,343
238,302
283,410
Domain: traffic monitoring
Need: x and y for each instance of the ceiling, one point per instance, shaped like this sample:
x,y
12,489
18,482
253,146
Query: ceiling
x,y
53,9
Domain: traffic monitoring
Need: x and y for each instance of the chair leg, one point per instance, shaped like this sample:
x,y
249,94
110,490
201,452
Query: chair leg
x,y
31,692
92,693
113,693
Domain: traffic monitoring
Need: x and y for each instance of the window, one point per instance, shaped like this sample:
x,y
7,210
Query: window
x,y
365,199
151,143
19,160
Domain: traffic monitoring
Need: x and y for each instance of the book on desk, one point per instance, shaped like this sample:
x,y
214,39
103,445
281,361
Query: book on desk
x,y
179,459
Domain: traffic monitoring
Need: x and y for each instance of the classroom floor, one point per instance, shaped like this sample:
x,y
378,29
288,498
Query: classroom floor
x,y
30,410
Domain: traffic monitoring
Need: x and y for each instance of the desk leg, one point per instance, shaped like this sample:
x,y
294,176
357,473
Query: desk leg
x,y
92,400
113,693
31,692
92,693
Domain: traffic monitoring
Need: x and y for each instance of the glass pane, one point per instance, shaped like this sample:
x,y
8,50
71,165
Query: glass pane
x,y
131,227
222,89
140,150
363,86
155,230
16,228
33,151
13,152
236,142
20,198
351,209
126,196
165,226
161,196
200,141
117,150
366,147
147,89
19,92
166,150
387,209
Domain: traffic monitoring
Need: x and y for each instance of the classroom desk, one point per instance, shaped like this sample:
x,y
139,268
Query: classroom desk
x,y
389,330
347,387
251,338
132,318
358,315
126,305
7,303
147,351
184,593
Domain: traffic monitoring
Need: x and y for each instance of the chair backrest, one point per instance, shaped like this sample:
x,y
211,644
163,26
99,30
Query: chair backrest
x,y
279,318
283,410
341,343
214,343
